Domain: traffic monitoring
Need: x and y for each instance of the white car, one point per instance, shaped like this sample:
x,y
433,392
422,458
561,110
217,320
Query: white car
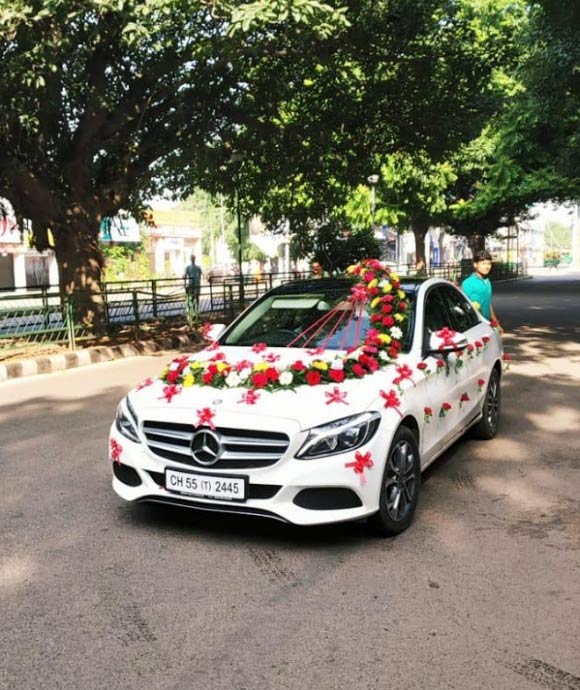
x,y
264,423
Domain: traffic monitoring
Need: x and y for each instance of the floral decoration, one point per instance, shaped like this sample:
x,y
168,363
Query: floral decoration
x,y
427,414
464,398
445,407
375,288
480,385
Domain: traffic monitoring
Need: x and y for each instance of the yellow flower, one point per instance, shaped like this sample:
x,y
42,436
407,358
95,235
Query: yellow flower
x,y
188,380
394,276
195,365
319,364
350,269
401,294
399,317
384,338
375,302
388,287
261,366
373,283
222,366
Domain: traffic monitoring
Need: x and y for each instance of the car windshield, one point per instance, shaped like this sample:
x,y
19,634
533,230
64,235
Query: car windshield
x,y
324,318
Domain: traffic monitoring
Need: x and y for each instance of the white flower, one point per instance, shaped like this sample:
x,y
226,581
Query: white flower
x,y
396,332
286,378
384,356
233,379
244,374
337,364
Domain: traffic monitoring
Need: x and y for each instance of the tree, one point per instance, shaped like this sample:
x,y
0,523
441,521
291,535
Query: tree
x,y
104,103
403,88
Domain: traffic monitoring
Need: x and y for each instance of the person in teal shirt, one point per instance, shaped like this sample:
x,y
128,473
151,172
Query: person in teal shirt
x,y
478,286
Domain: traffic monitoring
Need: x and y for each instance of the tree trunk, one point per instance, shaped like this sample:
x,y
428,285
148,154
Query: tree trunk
x,y
419,229
80,263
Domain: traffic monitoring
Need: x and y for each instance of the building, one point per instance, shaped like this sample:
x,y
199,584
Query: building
x,y
171,241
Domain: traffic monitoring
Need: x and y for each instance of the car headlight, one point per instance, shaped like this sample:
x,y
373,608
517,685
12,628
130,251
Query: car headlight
x,y
340,436
126,421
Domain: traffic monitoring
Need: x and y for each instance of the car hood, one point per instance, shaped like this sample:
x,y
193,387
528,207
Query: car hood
x,y
306,406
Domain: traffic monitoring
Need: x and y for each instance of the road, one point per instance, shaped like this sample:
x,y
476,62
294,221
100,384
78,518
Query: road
x,y
482,592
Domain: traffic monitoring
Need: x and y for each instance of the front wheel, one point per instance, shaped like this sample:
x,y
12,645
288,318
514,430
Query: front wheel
x,y
486,429
399,487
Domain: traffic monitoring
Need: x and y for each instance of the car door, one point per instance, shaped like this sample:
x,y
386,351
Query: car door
x,y
466,322
443,386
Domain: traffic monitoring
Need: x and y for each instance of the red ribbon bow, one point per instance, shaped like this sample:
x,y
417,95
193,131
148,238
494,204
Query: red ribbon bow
x,y
361,462
170,391
115,449
205,417
145,383
336,396
392,400
249,397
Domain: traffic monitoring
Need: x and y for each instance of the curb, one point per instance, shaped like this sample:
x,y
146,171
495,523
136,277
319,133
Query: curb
x,y
94,355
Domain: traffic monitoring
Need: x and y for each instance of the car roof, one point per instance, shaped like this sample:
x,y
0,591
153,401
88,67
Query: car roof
x,y
299,287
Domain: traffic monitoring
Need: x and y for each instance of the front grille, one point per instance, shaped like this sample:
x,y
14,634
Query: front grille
x,y
242,449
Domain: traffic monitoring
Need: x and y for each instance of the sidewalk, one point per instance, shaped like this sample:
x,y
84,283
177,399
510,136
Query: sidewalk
x,y
92,355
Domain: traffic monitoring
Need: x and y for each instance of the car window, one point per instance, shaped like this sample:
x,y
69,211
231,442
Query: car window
x,y
435,317
462,314
314,319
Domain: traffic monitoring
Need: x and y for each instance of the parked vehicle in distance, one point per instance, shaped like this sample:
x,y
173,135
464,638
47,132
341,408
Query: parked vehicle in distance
x,y
317,449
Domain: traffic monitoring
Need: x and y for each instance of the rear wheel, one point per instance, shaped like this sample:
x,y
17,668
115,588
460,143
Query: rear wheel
x,y
399,487
486,429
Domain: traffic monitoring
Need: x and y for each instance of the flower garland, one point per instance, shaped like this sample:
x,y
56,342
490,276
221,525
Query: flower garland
x,y
375,289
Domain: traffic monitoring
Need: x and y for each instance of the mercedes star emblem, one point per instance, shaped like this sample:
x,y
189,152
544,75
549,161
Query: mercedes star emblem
x,y
206,447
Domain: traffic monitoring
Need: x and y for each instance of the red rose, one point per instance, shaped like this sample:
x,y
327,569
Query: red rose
x,y
387,308
259,379
313,378
480,382
421,366
402,306
172,376
446,406
375,318
478,343
388,321
428,411
272,373
207,378
440,363
357,370
485,339
298,366
336,375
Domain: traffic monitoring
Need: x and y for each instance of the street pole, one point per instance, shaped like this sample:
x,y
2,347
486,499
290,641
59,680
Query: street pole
x,y
239,216
576,236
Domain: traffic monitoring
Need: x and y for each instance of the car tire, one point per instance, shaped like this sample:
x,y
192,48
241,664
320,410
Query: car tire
x,y
486,428
399,486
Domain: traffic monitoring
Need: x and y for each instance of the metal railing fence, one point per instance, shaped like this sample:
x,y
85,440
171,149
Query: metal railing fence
x,y
43,316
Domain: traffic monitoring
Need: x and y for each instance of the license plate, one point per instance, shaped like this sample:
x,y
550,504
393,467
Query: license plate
x,y
206,485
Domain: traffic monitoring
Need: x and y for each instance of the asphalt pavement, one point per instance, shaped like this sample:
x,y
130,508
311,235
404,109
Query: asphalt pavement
x,y
482,592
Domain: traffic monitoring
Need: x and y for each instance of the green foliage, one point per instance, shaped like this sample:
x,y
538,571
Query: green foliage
x,y
126,262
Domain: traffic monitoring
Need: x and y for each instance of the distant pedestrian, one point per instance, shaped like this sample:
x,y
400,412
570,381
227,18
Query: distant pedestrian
x,y
317,271
478,286
192,277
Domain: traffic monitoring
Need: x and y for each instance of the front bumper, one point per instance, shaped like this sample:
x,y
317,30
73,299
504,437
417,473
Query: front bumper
x,y
300,492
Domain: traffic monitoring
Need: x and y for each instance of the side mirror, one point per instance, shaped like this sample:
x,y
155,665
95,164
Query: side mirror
x,y
214,332
438,347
